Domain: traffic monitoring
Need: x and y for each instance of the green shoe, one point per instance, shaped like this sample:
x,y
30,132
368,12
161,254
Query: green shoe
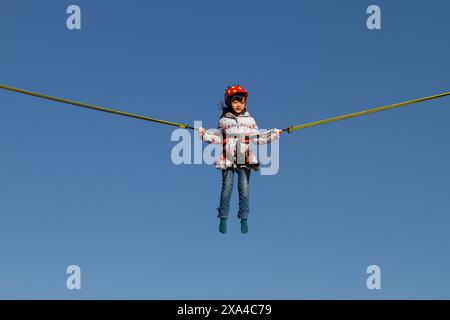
x,y
244,226
223,225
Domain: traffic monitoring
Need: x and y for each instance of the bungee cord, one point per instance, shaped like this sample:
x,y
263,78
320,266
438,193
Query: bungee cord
x,y
289,129
364,112
93,107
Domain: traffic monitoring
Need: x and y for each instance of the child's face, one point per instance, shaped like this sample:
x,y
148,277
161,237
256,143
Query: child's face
x,y
238,104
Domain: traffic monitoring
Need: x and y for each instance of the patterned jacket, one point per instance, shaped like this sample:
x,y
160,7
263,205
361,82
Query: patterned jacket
x,y
236,133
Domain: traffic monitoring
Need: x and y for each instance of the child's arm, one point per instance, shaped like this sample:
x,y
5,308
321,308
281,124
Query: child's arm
x,y
264,137
211,136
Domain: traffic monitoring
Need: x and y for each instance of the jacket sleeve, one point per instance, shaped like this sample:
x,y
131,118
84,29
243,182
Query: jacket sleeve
x,y
264,137
213,136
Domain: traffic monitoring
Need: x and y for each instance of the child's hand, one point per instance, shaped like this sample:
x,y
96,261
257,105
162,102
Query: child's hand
x,y
201,130
278,131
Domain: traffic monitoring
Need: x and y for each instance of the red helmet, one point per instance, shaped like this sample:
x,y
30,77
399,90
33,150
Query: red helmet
x,y
232,90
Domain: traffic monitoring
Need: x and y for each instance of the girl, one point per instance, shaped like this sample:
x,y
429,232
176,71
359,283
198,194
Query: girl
x,y
236,129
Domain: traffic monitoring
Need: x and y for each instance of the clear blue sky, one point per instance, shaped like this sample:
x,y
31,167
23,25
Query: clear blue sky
x,y
100,191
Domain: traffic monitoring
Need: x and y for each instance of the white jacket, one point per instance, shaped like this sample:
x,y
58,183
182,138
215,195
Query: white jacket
x,y
231,132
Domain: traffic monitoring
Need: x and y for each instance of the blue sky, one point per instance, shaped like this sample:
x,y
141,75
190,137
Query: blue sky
x,y
100,191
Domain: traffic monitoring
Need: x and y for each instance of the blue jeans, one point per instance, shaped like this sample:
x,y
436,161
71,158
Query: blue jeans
x,y
227,188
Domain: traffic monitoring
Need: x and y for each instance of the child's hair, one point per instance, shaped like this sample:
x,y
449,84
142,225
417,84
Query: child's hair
x,y
226,105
